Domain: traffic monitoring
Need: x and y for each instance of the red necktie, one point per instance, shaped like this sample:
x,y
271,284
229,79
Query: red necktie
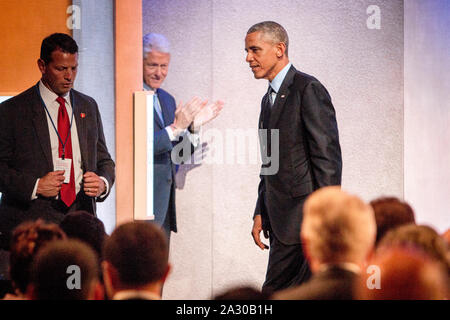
x,y
68,189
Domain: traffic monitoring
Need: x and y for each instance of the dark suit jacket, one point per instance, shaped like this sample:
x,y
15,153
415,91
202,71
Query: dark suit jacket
x,y
25,156
309,153
164,169
332,284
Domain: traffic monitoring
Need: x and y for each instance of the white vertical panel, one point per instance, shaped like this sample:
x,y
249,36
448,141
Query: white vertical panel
x,y
427,111
95,77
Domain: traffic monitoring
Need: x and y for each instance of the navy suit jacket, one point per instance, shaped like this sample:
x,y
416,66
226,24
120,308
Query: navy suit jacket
x,y
25,156
164,169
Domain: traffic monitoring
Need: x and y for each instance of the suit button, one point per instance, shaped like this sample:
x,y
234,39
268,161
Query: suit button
x,y
169,180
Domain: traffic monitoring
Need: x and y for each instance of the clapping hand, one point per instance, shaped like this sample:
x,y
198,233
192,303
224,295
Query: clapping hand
x,y
208,113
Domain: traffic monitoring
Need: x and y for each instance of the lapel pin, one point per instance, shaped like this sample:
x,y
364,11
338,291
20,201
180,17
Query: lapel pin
x,y
83,115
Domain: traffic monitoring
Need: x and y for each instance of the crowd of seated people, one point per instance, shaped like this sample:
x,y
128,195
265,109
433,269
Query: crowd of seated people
x,y
356,251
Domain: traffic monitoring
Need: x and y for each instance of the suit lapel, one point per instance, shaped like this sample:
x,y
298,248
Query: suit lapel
x,y
156,117
165,110
280,100
79,109
41,125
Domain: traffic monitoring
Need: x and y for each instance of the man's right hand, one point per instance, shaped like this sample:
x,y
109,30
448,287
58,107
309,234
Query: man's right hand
x,y
185,114
256,231
50,184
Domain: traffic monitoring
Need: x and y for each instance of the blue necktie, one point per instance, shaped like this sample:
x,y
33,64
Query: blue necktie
x,y
157,108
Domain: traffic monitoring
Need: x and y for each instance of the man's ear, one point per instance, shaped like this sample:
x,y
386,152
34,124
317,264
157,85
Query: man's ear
x,y
166,274
42,66
31,292
99,291
281,49
110,278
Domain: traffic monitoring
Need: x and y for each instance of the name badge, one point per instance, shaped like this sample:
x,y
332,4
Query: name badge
x,y
66,165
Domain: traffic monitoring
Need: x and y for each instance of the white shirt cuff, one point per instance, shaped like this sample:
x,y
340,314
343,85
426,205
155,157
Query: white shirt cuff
x,y
34,195
106,188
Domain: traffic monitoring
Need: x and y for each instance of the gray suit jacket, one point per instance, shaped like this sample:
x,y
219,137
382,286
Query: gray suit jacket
x,y
309,153
333,284
25,156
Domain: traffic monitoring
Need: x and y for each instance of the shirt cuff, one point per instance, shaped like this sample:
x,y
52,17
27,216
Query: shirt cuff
x,y
172,136
106,188
34,195
194,138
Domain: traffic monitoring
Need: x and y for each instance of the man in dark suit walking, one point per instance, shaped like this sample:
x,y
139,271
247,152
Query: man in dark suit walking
x,y
53,153
298,108
172,126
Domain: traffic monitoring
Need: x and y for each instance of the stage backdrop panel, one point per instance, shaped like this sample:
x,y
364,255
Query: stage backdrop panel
x,y
362,69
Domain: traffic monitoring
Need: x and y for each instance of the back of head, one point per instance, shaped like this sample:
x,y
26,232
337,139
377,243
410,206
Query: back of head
x,y
337,227
155,42
27,239
57,41
390,212
242,293
86,227
272,32
404,274
64,270
139,252
420,237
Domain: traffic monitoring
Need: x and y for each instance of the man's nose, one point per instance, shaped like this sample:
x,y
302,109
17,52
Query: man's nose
x,y
158,71
68,74
249,57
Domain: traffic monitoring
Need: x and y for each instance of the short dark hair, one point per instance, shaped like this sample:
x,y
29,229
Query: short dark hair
x,y
27,239
274,31
50,273
84,226
390,212
139,252
57,41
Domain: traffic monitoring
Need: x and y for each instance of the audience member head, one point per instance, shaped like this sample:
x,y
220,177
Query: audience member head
x,y
421,237
135,258
337,228
242,293
403,274
27,239
65,270
390,212
86,227
156,55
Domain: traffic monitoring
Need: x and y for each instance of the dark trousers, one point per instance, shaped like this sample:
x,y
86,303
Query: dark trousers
x,y
287,266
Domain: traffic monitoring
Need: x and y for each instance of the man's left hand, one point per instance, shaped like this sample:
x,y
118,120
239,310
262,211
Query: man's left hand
x,y
93,186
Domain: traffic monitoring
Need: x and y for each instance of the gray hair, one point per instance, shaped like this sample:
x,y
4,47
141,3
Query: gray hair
x,y
155,41
274,31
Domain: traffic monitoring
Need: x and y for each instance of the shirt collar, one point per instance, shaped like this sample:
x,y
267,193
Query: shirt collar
x,y
352,267
278,80
148,88
48,95
136,294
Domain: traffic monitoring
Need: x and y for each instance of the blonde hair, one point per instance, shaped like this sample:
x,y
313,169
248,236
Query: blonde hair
x,y
337,226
